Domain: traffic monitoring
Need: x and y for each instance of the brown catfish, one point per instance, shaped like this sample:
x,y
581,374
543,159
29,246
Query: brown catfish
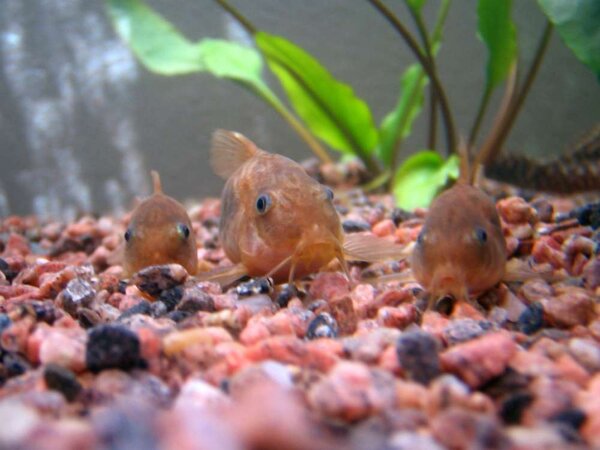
x,y
159,232
461,249
276,220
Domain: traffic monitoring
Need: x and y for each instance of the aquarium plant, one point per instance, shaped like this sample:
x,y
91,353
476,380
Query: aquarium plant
x,y
327,112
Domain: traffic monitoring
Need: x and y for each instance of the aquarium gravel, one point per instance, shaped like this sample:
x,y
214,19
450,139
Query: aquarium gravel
x,y
164,361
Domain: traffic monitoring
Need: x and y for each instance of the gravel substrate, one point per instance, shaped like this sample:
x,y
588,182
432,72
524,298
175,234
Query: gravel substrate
x,y
163,361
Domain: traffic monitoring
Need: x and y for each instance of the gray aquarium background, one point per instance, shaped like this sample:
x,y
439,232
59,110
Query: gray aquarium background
x,y
81,123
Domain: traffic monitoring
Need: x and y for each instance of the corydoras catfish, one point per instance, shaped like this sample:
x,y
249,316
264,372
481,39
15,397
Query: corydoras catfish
x,y
159,232
276,220
461,250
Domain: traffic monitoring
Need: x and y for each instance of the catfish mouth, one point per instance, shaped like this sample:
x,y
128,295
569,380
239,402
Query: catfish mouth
x,y
444,304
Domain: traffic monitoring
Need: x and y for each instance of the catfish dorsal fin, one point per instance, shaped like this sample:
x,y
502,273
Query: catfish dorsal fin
x,y
156,182
229,150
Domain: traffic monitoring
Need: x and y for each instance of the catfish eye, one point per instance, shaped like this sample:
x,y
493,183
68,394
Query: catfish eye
x,y
481,235
329,193
263,203
128,234
183,230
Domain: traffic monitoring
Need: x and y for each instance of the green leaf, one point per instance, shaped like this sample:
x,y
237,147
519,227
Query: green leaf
x,y
578,23
498,32
225,59
415,5
397,125
421,177
163,50
328,107
156,42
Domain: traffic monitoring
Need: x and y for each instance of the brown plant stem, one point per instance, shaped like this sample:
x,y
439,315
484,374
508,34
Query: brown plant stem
x,y
493,146
433,100
248,26
285,113
431,72
483,104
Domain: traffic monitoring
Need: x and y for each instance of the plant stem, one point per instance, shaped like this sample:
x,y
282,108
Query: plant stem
x,y
483,104
432,97
432,138
517,102
431,72
248,26
302,131
411,100
423,33
377,182
273,101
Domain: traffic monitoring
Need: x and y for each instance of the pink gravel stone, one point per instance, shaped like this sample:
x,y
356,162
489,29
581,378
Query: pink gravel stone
x,y
516,210
481,359
586,352
329,285
589,401
457,428
351,392
342,310
546,249
65,347
384,228
551,397
363,297
291,350
397,317
573,307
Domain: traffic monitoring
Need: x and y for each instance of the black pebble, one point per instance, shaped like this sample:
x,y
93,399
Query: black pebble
x,y
255,286
171,297
532,319
88,318
588,215
284,296
14,364
573,417
155,279
195,300
78,293
122,286
144,307
158,309
418,355
355,226
401,215
9,274
322,326
4,322
178,316
568,422
44,311
63,380
112,346
513,406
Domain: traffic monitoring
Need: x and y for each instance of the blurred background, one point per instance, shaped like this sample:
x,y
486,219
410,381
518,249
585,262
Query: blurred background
x,y
82,123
